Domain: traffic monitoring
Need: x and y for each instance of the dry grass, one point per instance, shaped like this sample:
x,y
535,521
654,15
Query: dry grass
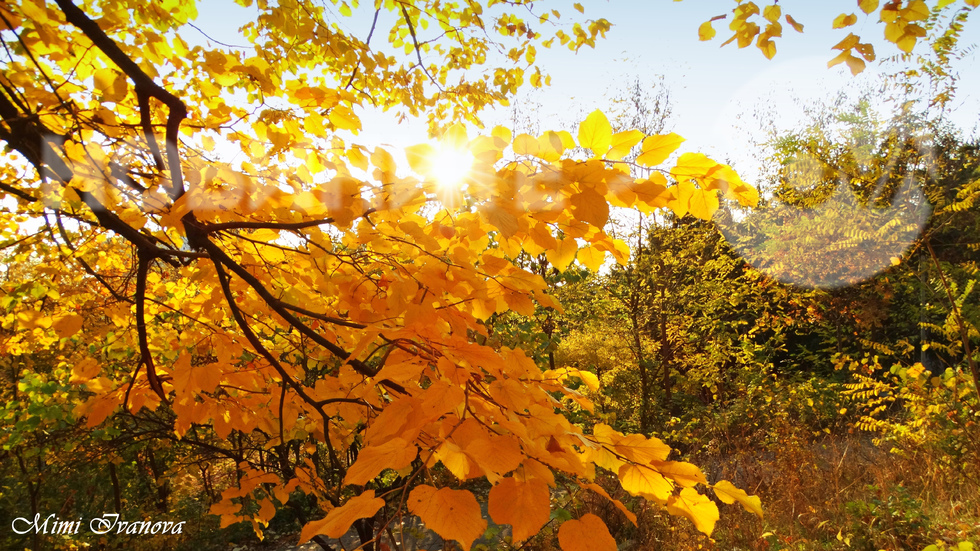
x,y
838,491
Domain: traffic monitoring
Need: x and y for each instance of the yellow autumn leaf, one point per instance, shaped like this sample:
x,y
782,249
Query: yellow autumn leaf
x,y
84,370
850,41
633,447
622,143
697,508
868,6
591,257
706,31
728,493
420,158
343,118
371,460
656,149
906,43
501,218
684,474
641,480
691,166
267,510
856,65
503,134
703,203
339,520
587,533
844,20
595,133
111,84
562,255
767,46
772,13
526,144
525,505
453,514
681,201
357,158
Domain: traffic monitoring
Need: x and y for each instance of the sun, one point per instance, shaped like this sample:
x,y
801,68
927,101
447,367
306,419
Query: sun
x,y
451,166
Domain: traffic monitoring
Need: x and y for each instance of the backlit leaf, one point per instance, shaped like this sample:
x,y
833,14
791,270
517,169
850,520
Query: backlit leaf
x,y
699,509
656,149
595,133
339,520
525,505
587,533
798,27
371,460
868,6
453,514
728,493
706,31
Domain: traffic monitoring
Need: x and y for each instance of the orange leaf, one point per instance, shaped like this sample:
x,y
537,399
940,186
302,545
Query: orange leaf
x,y
588,533
339,520
794,24
589,206
68,325
498,454
525,505
371,460
453,514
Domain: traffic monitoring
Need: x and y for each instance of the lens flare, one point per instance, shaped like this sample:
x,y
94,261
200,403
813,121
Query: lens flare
x,y
451,167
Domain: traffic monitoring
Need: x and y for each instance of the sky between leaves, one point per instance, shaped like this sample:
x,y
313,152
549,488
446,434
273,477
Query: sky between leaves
x,y
714,90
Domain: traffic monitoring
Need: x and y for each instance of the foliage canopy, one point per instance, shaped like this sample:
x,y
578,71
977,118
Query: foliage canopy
x,y
215,256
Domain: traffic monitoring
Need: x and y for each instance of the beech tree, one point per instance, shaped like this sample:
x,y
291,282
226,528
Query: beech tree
x,y
210,248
